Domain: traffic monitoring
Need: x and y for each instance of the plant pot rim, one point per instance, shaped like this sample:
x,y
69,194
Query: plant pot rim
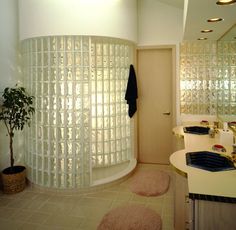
x,y
16,169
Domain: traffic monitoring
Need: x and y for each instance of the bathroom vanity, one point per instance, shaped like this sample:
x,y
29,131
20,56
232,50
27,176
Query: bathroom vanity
x,y
204,199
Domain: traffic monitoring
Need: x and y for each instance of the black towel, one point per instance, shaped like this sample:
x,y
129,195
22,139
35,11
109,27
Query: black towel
x,y
131,92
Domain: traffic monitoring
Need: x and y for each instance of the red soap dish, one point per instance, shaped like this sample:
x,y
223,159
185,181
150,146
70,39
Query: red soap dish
x,y
204,122
219,148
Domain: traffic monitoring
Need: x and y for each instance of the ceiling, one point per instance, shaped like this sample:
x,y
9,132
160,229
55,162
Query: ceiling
x,y
198,11
175,3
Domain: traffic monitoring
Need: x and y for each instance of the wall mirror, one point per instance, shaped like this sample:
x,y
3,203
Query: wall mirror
x,y
226,92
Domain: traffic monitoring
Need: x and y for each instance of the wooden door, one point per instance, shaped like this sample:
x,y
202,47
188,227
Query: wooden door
x,y
155,105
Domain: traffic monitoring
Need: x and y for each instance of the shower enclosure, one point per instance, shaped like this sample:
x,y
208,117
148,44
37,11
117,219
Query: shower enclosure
x,y
81,122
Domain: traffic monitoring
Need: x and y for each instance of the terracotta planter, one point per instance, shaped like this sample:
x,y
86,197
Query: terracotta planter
x,y
14,180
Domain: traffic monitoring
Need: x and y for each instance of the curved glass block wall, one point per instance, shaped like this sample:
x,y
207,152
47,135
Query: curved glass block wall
x,y
81,119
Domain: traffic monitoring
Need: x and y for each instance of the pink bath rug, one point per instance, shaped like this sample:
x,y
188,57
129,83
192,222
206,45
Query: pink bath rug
x,y
150,183
131,217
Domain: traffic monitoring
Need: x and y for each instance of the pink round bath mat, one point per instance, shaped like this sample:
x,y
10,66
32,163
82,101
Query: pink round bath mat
x,y
150,183
131,217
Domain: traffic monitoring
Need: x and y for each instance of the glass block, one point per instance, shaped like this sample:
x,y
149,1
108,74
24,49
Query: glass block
x,y
85,88
99,74
61,74
77,43
53,44
61,44
106,135
106,110
99,61
99,98
60,133
69,119
69,103
99,122
85,59
78,82
61,103
99,135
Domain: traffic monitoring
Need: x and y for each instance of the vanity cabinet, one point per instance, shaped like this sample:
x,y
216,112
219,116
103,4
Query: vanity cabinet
x,y
203,200
183,206
214,215
200,214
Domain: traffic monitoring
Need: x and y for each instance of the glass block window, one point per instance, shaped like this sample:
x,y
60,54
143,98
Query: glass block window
x,y
227,74
81,119
198,77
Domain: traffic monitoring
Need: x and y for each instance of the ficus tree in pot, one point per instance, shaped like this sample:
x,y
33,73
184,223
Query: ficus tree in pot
x,y
16,111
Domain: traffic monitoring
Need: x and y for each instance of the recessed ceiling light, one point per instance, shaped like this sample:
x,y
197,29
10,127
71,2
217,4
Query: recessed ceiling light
x,y
215,19
225,2
206,31
202,39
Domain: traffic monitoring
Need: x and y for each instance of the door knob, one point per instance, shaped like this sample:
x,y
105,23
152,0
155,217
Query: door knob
x,y
167,113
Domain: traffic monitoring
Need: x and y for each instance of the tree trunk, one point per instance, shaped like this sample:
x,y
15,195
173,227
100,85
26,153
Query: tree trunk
x,y
11,150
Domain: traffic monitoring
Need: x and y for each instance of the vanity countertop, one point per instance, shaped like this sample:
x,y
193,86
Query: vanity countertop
x,y
201,181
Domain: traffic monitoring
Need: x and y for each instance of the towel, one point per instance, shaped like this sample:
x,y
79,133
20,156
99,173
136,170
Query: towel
x,y
131,92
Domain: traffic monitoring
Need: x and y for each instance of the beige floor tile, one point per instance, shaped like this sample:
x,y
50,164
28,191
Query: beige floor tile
x,y
157,208
168,211
114,188
79,211
4,201
43,227
21,215
59,208
49,207
137,203
124,196
57,199
92,212
124,188
95,202
11,196
7,213
34,205
89,224
156,200
64,221
118,203
38,218
28,226
18,203
138,198
29,195
60,211
43,197
104,195
9,224
167,223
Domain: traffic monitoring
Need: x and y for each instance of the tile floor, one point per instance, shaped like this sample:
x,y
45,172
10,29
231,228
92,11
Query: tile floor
x,y
34,209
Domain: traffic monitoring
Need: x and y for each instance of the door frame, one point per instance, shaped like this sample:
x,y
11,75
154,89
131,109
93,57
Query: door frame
x,y
175,94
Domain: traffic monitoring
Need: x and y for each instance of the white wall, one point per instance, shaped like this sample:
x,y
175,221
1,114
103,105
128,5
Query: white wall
x,y
10,71
8,43
158,23
161,24
111,18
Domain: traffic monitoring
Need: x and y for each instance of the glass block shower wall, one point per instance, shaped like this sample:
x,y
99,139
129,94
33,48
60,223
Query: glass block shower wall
x,y
198,77
81,120
227,72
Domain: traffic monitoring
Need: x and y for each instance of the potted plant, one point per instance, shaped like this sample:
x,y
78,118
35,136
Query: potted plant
x,y
16,111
